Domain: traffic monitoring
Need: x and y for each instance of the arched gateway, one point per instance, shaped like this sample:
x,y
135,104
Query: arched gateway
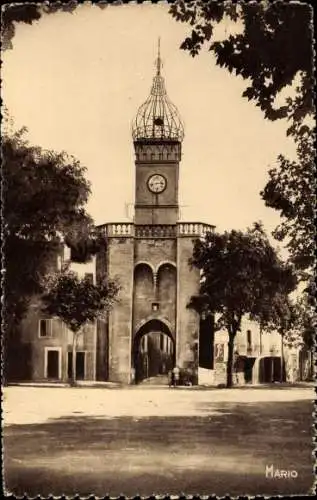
x,y
153,350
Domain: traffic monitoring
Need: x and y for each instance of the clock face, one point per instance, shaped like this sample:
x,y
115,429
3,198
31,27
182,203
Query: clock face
x,y
156,183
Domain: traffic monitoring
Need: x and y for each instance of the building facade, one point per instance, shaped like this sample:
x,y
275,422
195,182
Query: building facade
x,y
260,357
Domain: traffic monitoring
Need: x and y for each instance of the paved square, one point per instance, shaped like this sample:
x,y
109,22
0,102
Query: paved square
x,y
157,441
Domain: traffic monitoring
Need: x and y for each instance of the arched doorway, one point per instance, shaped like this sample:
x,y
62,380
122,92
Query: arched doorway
x,y
153,351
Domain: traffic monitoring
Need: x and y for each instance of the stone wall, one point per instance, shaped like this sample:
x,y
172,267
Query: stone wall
x,y
155,251
120,266
187,319
102,350
166,292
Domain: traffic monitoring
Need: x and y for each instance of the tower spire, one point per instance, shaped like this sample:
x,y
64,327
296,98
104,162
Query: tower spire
x,y
158,60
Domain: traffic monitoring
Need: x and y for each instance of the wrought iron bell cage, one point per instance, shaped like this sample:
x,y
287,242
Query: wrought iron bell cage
x,y
158,118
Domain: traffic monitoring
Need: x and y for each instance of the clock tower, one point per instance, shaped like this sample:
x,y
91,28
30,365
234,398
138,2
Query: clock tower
x,y
150,328
157,132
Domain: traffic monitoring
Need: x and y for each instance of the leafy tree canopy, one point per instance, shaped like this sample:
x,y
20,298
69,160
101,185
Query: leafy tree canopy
x,y
302,325
270,44
241,274
28,13
76,300
44,192
84,240
44,197
291,190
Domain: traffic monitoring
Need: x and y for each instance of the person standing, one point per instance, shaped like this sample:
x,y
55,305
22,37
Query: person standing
x,y
176,373
170,378
236,367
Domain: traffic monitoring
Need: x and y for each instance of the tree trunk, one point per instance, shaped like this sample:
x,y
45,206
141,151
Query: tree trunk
x,y
74,352
230,359
310,374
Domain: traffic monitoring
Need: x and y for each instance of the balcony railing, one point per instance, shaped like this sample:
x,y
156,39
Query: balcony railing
x,y
256,350
118,229
194,229
155,231
182,229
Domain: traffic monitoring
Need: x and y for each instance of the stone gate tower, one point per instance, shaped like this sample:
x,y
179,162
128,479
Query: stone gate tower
x,y
151,328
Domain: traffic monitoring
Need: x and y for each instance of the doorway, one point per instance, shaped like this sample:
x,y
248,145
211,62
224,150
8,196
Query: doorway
x,y
206,343
271,370
52,363
248,369
80,365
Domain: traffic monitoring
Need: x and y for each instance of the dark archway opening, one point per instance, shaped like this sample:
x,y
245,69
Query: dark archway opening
x,y
270,370
153,351
248,369
206,342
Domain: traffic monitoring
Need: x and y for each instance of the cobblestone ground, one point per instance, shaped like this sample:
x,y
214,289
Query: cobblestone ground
x,y
157,441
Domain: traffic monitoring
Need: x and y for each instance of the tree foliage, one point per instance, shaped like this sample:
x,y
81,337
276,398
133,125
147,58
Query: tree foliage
x,y
76,300
273,45
28,13
291,190
44,197
302,325
241,274
84,240
270,45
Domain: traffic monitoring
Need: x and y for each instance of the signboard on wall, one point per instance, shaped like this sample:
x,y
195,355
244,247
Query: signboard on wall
x,y
219,353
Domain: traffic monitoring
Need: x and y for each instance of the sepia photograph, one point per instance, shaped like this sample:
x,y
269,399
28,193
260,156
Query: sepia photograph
x,y
158,256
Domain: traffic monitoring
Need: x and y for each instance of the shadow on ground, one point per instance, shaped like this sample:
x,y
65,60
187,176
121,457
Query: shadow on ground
x,y
224,452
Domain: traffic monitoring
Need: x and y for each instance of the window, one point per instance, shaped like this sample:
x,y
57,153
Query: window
x,y
45,327
249,340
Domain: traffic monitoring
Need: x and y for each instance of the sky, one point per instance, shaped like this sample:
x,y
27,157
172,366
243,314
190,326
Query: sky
x,y
76,82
